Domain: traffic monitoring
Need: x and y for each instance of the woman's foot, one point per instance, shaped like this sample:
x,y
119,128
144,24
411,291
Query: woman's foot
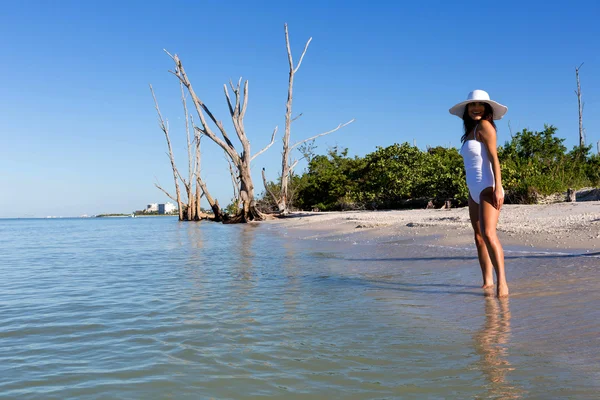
x,y
488,277
502,290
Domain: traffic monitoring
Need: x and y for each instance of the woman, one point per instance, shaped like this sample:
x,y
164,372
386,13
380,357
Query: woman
x,y
486,195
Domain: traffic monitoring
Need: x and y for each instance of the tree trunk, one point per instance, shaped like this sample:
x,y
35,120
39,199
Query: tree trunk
x,y
199,214
580,106
191,207
248,212
197,138
191,215
164,127
283,202
214,204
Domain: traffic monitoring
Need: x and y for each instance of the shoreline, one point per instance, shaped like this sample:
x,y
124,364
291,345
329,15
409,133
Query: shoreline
x,y
559,226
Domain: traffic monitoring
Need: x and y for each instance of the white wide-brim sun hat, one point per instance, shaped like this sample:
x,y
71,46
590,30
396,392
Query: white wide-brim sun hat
x,y
479,96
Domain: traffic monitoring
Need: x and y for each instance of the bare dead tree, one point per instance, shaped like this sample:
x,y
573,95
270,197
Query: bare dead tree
x,y
201,188
269,191
194,209
580,106
165,128
235,184
287,167
214,203
242,160
190,211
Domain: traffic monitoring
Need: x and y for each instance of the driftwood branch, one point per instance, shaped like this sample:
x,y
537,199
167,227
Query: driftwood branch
x,y
245,102
289,50
238,118
236,91
219,125
201,109
269,145
214,203
185,183
231,111
165,192
235,109
293,166
273,197
322,134
234,181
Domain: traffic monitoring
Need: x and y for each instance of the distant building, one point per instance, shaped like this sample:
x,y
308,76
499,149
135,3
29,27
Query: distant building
x,y
167,208
151,208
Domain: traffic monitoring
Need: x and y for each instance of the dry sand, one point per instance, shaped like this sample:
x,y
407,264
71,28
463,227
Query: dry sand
x,y
569,226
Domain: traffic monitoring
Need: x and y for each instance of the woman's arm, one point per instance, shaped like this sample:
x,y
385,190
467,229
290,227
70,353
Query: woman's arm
x,y
488,138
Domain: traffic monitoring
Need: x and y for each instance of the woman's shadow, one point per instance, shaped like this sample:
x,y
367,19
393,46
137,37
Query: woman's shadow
x,y
492,344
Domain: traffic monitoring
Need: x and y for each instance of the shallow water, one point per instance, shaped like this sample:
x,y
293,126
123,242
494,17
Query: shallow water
x,y
153,308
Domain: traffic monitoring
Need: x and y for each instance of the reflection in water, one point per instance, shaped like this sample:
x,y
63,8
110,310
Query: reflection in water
x,y
195,236
246,249
195,242
291,294
491,343
244,281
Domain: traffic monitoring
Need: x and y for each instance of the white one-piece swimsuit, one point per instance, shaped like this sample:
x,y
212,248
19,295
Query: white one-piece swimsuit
x,y
478,167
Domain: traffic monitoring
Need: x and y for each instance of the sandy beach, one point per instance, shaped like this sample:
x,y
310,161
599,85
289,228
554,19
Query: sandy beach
x,y
569,226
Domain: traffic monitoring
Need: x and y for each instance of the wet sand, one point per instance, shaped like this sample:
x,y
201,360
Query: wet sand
x,y
566,226
541,342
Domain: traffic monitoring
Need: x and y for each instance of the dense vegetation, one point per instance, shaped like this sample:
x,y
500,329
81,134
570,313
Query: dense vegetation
x,y
534,164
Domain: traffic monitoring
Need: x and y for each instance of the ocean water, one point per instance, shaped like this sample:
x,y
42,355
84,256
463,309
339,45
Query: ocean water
x,y
151,308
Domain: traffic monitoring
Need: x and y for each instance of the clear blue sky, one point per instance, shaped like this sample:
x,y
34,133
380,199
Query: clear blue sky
x,y
79,132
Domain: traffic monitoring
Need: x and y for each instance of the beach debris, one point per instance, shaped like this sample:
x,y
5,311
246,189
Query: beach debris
x,y
447,205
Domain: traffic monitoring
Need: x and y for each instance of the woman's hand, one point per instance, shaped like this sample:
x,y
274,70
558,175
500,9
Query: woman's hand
x,y
498,197
488,137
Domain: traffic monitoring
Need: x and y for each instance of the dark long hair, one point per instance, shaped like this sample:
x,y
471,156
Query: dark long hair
x,y
470,124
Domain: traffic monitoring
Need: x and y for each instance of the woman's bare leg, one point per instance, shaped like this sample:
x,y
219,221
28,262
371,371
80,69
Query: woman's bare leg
x,y
488,219
482,252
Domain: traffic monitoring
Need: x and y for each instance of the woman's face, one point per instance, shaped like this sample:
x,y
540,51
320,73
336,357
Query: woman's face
x,y
476,110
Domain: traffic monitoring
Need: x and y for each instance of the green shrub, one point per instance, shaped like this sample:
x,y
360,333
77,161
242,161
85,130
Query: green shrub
x,y
533,164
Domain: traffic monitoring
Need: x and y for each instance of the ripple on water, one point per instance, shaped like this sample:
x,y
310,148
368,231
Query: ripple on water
x,y
152,308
